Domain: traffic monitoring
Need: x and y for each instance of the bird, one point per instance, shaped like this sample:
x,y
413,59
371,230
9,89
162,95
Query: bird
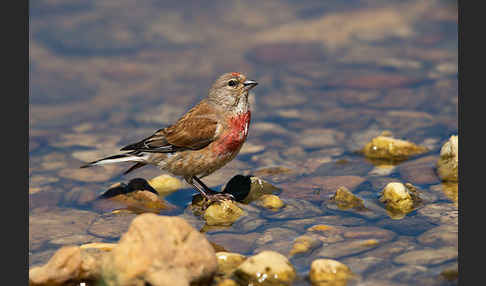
x,y
201,141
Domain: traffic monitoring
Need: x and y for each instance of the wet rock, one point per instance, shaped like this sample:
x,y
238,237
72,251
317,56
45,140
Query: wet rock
x,y
411,226
57,223
222,213
450,274
278,53
295,209
68,264
363,263
80,195
303,244
328,272
160,250
398,200
228,262
235,242
111,225
318,188
427,256
265,268
319,138
39,183
249,148
248,223
440,213
370,232
345,248
444,235
388,250
91,174
246,189
386,147
449,189
259,187
272,202
346,200
420,171
449,160
276,238
165,184
382,170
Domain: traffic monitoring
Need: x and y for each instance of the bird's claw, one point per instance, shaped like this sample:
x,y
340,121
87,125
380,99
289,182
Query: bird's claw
x,y
216,197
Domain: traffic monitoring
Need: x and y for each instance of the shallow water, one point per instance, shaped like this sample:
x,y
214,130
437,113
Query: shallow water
x,y
331,75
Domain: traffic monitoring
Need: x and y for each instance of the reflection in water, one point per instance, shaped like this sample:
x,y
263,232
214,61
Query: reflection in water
x,y
331,75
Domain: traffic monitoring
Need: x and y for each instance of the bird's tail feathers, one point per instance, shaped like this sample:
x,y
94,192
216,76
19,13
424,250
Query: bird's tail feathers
x,y
128,157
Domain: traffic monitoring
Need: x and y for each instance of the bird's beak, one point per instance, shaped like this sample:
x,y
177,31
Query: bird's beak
x,y
249,84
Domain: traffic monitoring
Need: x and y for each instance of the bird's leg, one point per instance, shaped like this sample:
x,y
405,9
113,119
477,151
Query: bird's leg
x,y
206,192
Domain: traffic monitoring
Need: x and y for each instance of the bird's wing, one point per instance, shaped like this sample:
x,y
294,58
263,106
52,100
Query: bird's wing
x,y
195,130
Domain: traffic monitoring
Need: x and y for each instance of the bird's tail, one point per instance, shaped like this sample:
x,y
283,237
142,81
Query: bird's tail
x,y
127,157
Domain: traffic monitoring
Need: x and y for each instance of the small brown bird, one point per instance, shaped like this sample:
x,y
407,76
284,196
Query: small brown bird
x,y
203,140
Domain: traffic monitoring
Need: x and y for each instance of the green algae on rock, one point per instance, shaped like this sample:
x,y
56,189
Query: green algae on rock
x,y
346,200
329,272
386,147
267,268
449,160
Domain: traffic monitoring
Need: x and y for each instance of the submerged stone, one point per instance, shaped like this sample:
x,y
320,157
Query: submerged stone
x,y
346,200
303,244
399,199
386,147
165,184
328,272
222,213
449,160
272,202
228,261
265,268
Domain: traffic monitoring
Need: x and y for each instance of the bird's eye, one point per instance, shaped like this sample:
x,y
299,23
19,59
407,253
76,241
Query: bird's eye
x,y
232,82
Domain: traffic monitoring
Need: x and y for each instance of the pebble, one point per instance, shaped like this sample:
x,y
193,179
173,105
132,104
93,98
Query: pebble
x,y
222,213
396,198
272,202
427,256
444,235
165,184
447,165
111,225
57,223
327,272
266,268
228,261
295,209
303,244
387,147
345,248
95,174
346,200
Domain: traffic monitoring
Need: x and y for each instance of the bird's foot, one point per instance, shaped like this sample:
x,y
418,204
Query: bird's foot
x,y
215,197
